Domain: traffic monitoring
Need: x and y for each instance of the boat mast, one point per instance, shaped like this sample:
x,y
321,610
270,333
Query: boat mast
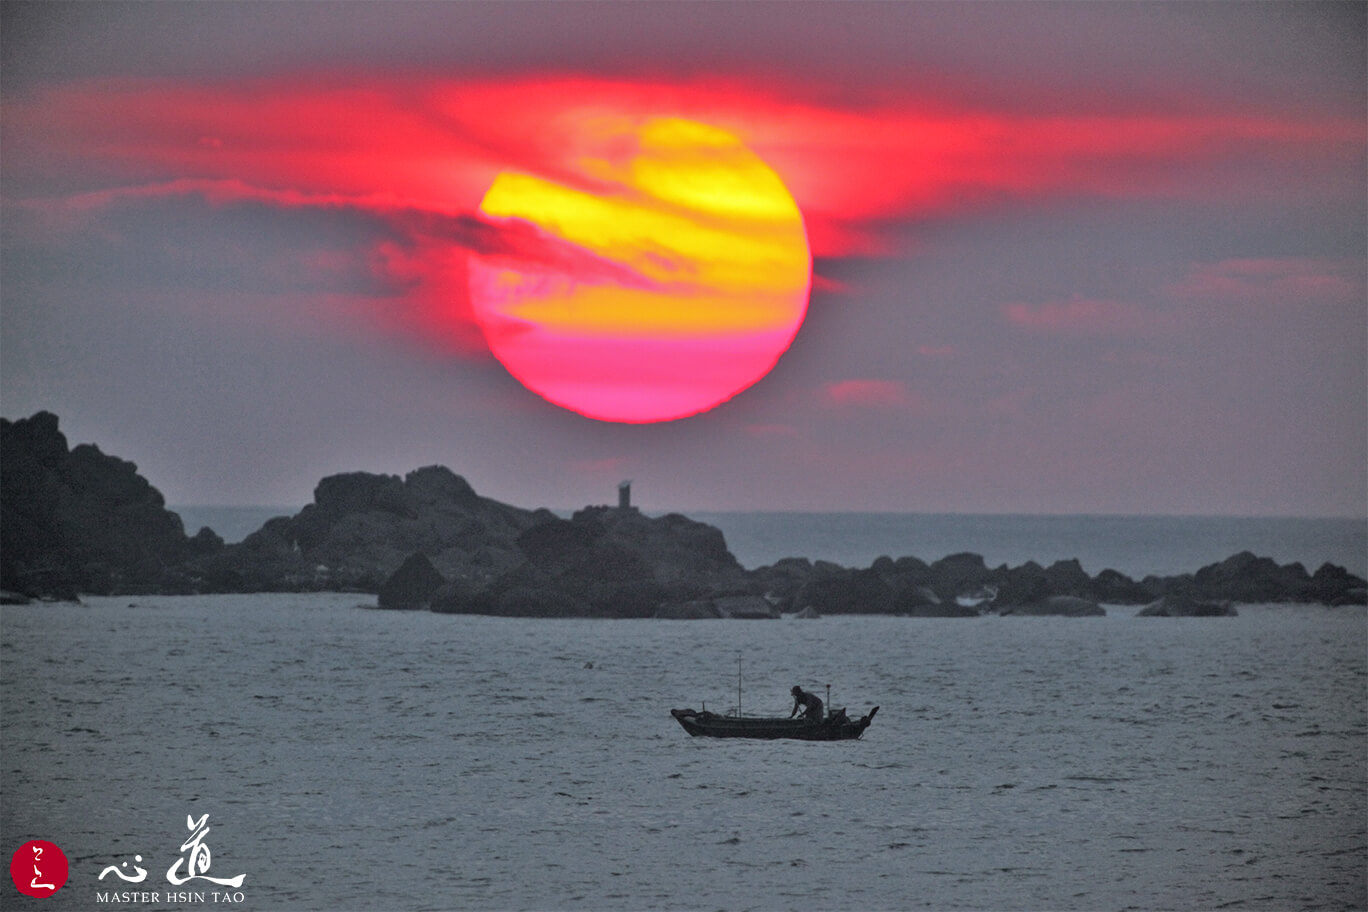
x,y
738,687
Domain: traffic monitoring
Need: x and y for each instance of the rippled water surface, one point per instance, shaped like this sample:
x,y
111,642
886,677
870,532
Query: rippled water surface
x,y
356,759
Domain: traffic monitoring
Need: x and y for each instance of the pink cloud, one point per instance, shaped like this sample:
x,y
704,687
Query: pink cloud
x,y
1087,316
1272,280
422,251
431,147
866,393
436,144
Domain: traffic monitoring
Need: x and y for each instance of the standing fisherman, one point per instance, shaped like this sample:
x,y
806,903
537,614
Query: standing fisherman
x,y
812,702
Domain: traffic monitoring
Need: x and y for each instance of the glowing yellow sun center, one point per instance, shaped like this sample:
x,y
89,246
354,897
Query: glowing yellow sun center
x,y
674,236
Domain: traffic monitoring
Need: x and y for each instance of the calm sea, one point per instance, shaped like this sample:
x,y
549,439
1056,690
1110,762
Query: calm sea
x,y
1134,545
352,759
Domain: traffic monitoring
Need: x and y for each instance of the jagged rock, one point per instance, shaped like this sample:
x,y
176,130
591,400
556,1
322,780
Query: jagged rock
x,y
603,563
1114,588
943,610
694,610
205,542
540,602
338,496
606,561
362,527
558,543
919,601
733,607
1176,605
621,545
1331,584
783,578
1066,577
1245,577
745,607
1159,586
908,580
850,592
463,596
633,598
617,562
1055,605
958,574
412,585
913,600
79,520
1024,585
674,546
1031,584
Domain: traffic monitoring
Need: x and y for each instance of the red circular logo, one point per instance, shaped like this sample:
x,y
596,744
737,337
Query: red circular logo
x,y
39,868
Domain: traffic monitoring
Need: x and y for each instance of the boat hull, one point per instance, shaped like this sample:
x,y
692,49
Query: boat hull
x,y
710,725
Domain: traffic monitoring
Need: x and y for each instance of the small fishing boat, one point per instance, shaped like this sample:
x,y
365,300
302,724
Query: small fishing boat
x,y
837,726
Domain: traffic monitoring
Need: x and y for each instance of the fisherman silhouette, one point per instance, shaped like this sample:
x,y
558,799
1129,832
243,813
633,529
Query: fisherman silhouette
x,y
812,702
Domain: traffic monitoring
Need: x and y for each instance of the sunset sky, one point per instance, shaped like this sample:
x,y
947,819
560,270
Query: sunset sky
x,y
1062,258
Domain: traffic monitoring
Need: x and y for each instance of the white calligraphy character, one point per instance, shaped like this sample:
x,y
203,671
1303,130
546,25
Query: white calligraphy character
x,y
198,861
142,872
34,884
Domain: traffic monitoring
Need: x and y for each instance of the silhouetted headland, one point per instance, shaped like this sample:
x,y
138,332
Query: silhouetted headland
x,y
80,521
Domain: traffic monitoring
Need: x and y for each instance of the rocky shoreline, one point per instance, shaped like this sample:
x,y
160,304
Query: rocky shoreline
x,y
75,520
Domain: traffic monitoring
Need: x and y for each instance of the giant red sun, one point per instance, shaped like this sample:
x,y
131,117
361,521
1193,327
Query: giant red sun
x,y
672,272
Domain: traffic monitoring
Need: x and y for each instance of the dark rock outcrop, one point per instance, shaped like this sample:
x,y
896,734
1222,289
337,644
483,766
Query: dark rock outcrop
x,y
1054,605
962,585
361,528
847,592
76,520
1030,584
605,562
462,597
674,546
735,607
695,610
1114,588
1250,579
540,601
1024,585
942,610
1245,577
745,607
960,574
1179,605
412,585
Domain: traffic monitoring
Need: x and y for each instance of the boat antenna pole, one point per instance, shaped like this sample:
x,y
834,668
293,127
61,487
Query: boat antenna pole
x,y
738,687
